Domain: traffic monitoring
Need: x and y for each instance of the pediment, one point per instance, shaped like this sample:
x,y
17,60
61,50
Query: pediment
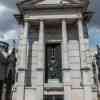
x,y
37,3
48,2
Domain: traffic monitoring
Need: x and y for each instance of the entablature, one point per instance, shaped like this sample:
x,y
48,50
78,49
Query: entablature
x,y
52,17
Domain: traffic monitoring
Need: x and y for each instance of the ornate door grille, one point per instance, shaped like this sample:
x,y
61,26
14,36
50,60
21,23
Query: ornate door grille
x,y
53,62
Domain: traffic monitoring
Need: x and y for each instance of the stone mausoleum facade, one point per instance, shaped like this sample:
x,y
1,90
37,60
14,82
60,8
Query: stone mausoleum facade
x,y
53,59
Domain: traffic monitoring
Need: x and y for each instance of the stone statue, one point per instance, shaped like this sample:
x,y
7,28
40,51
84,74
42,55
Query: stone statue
x,y
10,78
3,65
7,70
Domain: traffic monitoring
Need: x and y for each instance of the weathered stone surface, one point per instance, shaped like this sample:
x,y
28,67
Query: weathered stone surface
x,y
78,94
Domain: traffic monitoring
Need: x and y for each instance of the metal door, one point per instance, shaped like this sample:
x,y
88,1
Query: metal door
x,y
53,62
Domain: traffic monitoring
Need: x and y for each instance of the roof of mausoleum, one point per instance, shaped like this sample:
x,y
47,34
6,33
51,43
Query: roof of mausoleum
x,y
33,4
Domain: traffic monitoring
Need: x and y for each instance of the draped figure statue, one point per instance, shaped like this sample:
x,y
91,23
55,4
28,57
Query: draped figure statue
x,y
7,70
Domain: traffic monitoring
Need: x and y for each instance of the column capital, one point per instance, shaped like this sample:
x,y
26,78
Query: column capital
x,y
26,23
63,23
64,19
80,20
26,20
41,25
41,20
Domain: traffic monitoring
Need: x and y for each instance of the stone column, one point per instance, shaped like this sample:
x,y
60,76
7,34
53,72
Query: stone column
x,y
86,73
40,68
81,41
66,69
22,64
41,48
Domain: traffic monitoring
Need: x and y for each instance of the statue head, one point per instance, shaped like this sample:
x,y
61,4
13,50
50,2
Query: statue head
x,y
4,46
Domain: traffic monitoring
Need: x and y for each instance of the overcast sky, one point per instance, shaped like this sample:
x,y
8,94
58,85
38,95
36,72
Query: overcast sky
x,y
10,30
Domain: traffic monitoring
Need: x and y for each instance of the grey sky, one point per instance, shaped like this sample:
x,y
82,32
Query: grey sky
x,y
95,7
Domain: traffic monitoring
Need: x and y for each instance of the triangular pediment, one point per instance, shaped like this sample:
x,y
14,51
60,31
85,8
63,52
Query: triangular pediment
x,y
34,3
48,2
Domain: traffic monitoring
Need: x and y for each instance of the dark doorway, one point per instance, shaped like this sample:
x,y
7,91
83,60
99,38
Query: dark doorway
x,y
53,97
53,64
